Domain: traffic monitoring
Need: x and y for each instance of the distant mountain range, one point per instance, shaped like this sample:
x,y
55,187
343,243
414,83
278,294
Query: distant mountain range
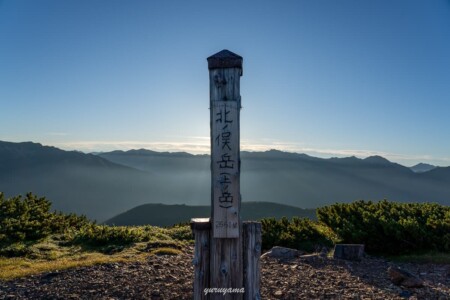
x,y
167,215
104,185
73,181
421,167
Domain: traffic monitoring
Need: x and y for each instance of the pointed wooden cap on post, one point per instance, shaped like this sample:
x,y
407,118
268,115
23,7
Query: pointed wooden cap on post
x,y
224,59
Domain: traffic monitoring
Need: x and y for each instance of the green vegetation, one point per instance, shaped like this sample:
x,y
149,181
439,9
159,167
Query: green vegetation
x,y
389,227
33,239
13,267
429,257
302,234
25,222
165,251
413,230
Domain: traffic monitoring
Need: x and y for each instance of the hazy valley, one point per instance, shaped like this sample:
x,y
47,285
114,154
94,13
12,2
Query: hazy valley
x,y
104,185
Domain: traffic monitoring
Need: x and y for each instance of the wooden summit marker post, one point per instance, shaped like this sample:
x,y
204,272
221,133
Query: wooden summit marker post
x,y
227,251
226,268
225,70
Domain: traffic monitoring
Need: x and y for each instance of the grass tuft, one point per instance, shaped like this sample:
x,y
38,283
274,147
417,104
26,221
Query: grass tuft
x,y
165,251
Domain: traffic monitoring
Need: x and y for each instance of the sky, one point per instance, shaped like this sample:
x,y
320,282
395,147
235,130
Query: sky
x,y
326,78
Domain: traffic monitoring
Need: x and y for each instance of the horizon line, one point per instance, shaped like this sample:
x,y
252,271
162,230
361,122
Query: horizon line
x,y
204,148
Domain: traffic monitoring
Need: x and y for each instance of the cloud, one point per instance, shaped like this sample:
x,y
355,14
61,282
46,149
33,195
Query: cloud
x,y
97,146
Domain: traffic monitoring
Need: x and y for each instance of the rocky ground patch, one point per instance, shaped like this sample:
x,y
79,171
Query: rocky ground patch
x,y
170,277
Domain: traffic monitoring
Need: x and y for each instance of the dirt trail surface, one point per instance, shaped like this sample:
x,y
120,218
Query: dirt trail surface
x,y
170,277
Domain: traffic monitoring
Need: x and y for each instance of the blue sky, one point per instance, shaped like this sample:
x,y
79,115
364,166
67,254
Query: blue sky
x,y
327,78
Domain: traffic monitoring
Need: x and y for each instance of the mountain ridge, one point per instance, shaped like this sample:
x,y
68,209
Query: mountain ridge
x,y
106,184
421,168
159,214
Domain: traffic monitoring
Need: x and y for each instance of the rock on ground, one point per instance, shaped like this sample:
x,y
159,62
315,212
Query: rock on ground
x,y
401,277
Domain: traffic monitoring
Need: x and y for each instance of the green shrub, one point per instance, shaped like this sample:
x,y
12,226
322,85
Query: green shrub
x,y
299,233
101,235
15,250
24,219
390,227
181,233
62,223
29,219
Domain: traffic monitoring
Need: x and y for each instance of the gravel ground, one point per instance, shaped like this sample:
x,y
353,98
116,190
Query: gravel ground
x,y
170,277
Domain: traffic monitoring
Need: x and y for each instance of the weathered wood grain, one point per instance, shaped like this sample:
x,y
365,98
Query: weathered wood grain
x,y
225,152
223,236
349,251
252,252
226,267
201,229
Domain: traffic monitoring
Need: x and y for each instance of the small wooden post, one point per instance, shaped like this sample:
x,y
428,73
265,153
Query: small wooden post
x,y
225,250
201,228
252,253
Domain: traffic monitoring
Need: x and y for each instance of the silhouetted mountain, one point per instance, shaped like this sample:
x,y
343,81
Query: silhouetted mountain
x,y
167,215
377,160
107,184
438,174
161,162
76,182
421,167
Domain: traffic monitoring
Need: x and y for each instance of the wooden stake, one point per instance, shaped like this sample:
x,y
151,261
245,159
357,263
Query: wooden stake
x,y
252,253
222,244
226,268
201,229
